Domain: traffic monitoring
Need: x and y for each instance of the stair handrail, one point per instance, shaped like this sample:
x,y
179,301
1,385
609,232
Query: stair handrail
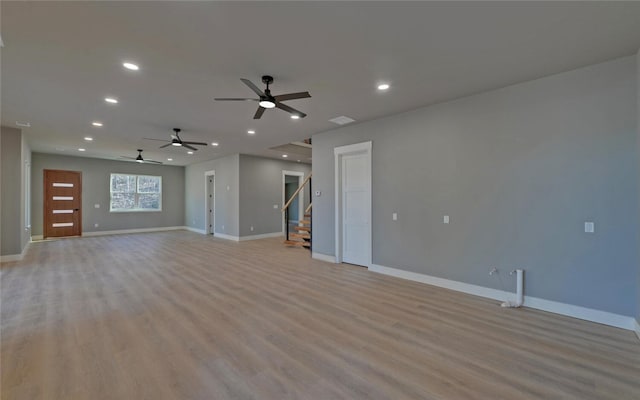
x,y
296,192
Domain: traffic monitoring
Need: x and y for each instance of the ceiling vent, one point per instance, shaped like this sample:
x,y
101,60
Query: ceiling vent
x,y
23,124
342,120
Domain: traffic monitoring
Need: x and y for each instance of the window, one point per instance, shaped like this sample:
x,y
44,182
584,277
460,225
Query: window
x,y
135,193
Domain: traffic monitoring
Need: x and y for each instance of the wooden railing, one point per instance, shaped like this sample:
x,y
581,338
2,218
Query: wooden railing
x,y
293,196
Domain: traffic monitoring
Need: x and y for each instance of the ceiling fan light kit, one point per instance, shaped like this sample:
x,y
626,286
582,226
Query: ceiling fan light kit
x,y
178,142
266,100
141,160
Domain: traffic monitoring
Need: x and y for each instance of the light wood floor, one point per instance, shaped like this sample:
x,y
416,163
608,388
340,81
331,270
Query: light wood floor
x,y
178,315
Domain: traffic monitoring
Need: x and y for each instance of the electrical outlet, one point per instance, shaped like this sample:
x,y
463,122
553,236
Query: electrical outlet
x,y
394,216
493,270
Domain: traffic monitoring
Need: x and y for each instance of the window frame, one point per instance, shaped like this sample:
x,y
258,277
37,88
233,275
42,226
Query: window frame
x,y
137,194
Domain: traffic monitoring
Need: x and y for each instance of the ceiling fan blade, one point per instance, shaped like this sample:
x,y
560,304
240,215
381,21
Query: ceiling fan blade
x,y
253,87
129,158
152,162
161,140
290,110
233,99
166,145
196,143
292,96
259,113
189,147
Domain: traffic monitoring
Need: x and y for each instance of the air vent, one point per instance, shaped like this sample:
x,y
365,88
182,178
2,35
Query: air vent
x,y
23,124
342,120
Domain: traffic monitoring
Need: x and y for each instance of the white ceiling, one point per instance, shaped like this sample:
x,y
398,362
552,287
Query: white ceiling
x,y
61,59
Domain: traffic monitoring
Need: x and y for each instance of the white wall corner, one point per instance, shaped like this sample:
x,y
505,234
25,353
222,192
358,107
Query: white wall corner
x,y
323,257
588,314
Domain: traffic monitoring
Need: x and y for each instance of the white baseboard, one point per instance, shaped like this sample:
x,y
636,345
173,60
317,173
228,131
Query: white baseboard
x,y
637,323
196,230
323,257
35,238
139,230
15,257
225,236
588,314
261,236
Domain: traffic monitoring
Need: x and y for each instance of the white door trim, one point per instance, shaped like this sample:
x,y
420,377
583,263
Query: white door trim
x,y
300,176
207,219
338,153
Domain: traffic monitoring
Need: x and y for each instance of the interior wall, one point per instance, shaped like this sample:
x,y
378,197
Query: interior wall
x,y
12,226
95,190
226,194
519,171
261,190
638,179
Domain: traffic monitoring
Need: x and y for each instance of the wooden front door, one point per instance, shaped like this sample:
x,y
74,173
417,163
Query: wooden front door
x,y
62,203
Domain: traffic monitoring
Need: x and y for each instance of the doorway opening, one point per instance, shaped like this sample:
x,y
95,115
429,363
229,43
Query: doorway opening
x,y
291,181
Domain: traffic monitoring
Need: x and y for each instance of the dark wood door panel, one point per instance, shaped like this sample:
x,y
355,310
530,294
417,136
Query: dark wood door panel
x,y
62,203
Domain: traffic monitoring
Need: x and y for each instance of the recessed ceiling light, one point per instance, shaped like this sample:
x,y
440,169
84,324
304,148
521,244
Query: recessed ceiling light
x,y
295,116
111,100
214,143
131,66
383,86
189,152
284,156
96,123
251,132
169,159
88,138
81,150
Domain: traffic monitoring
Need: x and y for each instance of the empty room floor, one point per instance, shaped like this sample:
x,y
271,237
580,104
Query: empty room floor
x,y
177,315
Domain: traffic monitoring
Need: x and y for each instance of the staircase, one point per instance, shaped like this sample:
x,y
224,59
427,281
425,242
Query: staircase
x,y
301,237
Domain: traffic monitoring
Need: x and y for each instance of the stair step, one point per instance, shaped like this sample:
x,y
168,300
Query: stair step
x,y
303,228
299,236
307,215
297,243
305,221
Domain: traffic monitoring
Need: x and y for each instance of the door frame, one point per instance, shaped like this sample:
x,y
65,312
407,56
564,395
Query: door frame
x,y
363,148
207,215
300,176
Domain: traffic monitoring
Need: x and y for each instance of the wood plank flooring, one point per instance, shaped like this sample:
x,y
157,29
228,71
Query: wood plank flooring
x,y
177,315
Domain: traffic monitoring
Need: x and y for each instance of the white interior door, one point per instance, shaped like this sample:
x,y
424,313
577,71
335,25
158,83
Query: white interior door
x,y
355,207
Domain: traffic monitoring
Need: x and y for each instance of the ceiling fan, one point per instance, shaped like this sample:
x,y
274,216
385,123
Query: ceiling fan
x,y
266,100
177,141
140,159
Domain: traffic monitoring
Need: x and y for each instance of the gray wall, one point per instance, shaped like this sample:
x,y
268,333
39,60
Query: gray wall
x,y
15,155
638,179
95,190
260,189
226,194
519,170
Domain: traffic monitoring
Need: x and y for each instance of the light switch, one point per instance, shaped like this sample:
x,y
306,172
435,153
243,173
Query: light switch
x,y
395,216
445,219
228,187
589,227
96,206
